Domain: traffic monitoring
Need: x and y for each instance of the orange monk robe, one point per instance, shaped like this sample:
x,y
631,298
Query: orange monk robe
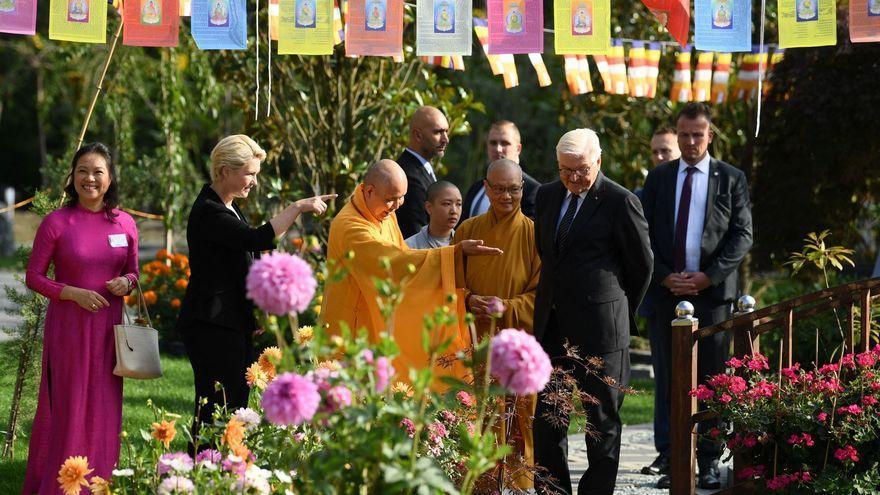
x,y
512,277
354,299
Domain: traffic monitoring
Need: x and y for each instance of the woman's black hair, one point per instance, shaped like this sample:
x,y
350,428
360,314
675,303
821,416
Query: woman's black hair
x,y
111,197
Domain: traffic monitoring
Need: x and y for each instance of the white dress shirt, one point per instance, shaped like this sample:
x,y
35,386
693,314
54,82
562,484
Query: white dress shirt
x,y
481,203
697,213
565,203
425,163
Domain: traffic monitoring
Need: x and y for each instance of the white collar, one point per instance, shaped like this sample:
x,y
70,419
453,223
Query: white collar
x,y
420,157
702,165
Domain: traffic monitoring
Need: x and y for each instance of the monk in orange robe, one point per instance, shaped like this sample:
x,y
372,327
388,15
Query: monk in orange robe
x,y
367,228
512,278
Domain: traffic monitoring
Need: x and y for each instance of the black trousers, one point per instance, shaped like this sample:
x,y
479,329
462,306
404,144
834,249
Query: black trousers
x,y
217,355
712,353
551,437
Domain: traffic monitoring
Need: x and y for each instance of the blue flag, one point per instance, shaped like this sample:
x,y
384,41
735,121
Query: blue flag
x,y
723,25
219,24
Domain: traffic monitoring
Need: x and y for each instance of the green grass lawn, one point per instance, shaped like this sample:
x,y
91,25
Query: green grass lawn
x,y
637,408
174,392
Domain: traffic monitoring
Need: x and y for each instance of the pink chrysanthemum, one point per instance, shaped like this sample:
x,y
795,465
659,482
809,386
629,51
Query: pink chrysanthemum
x,y
179,462
519,362
176,484
496,307
209,455
338,397
290,400
281,283
384,372
466,399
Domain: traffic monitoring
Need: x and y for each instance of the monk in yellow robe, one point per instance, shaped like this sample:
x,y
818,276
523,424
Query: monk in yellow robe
x,y
512,278
367,228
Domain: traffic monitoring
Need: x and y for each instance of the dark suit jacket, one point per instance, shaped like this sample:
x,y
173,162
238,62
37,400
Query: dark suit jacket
x,y
530,190
411,216
727,228
596,282
221,250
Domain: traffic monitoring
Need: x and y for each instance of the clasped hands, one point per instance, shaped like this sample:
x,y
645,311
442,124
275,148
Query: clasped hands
x,y
480,306
686,283
90,300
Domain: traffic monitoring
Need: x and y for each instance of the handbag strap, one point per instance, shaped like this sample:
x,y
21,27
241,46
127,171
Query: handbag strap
x,y
142,303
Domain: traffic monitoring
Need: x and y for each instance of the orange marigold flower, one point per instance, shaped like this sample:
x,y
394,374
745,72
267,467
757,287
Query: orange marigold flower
x,y
181,283
175,303
162,254
329,365
233,436
150,297
180,261
304,334
402,388
130,300
297,242
99,486
267,361
164,432
165,270
256,376
72,475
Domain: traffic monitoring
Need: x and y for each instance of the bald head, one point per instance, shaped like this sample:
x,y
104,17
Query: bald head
x,y
504,183
428,132
504,168
384,188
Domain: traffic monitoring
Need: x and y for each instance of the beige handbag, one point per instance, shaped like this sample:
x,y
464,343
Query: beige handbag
x,y
137,346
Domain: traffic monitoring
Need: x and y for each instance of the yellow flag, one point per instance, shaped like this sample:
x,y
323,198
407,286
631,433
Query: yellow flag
x,y
84,21
305,27
807,23
582,26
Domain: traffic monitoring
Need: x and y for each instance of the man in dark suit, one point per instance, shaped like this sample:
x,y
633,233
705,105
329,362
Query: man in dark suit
x,y
428,137
596,264
503,142
700,221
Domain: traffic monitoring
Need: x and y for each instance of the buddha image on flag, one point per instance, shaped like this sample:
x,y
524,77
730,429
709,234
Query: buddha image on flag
x,y
219,14
582,17
722,14
376,15
514,22
873,8
305,14
78,11
807,10
444,16
151,12
7,6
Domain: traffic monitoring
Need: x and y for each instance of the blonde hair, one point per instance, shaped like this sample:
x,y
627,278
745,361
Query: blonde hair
x,y
582,143
234,152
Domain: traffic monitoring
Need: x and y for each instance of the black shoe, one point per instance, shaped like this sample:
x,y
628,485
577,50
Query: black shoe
x,y
710,477
664,483
658,467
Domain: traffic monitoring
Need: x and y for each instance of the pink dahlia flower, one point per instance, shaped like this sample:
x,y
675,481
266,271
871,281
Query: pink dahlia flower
x,y
519,362
338,397
384,372
179,462
281,283
290,399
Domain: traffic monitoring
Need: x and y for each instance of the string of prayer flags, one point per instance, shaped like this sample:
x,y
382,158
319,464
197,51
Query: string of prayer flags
x,y
604,71
864,21
638,85
577,74
443,27
274,14
702,87
185,8
652,68
150,22
777,56
720,78
481,29
617,68
746,85
18,16
374,27
723,25
305,27
511,79
582,26
516,26
338,27
540,69
219,24
84,21
807,22
674,15
681,78
454,62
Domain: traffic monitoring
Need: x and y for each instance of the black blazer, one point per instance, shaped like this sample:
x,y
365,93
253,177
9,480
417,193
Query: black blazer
x,y
597,281
727,228
527,205
411,216
221,250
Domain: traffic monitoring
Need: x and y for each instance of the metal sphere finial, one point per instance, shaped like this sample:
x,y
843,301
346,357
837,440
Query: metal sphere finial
x,y
746,304
684,309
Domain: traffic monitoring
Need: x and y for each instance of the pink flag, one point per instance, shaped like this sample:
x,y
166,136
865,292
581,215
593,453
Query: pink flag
x,y
18,16
516,26
374,27
150,22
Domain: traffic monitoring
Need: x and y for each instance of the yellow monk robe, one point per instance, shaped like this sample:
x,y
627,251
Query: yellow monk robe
x,y
353,300
512,277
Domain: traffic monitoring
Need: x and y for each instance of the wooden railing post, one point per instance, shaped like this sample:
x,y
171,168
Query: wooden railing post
x,y
744,342
866,320
682,458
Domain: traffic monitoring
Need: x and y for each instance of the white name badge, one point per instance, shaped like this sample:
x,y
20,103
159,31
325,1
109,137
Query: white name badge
x,y
118,240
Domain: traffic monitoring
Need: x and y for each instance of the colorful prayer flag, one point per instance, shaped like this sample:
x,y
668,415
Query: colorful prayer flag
x,y
338,27
681,79
511,79
577,74
374,27
305,27
582,26
674,15
723,25
84,21
454,62
604,71
540,69
746,85
481,29
617,69
807,22
516,26
720,78
274,14
652,68
638,86
150,22
18,16
702,88
864,20
185,8
219,24
443,27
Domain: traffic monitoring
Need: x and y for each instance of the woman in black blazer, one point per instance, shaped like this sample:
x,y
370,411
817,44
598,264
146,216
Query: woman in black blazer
x,y
216,319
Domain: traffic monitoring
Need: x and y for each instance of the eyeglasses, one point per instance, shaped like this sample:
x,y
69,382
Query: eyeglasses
x,y
578,172
498,190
